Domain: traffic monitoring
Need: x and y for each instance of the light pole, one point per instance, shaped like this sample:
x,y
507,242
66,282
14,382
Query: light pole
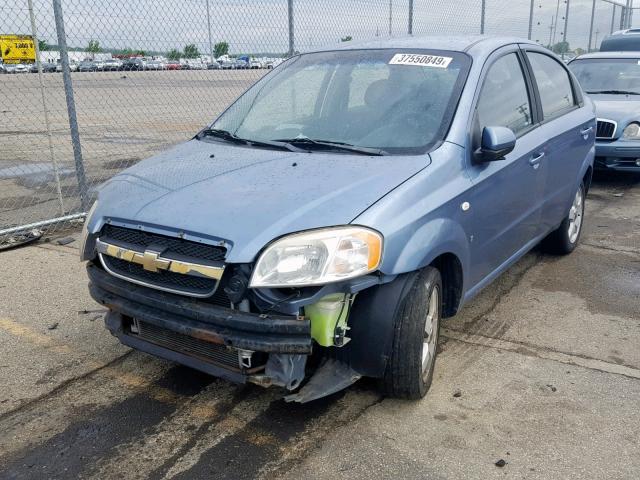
x,y
531,18
593,14
566,23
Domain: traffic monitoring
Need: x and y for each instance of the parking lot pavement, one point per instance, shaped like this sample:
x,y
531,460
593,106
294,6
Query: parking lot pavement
x,y
123,117
542,371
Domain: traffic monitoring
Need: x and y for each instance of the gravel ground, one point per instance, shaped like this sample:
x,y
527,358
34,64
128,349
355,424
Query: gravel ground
x,y
541,371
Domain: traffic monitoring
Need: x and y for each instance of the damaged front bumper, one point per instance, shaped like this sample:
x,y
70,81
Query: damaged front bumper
x,y
223,342
265,349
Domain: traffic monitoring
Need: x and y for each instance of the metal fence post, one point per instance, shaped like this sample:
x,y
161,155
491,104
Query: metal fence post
x,y
482,16
593,14
45,109
209,30
566,23
290,14
613,18
410,30
71,105
531,18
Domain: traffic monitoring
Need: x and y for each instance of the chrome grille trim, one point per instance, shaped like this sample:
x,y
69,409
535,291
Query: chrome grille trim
x,y
158,261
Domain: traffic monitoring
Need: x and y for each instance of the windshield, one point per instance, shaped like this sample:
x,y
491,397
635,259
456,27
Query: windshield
x,y
398,101
608,74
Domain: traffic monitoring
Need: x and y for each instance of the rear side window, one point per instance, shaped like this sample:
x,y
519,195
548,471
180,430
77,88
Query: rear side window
x,y
554,85
504,100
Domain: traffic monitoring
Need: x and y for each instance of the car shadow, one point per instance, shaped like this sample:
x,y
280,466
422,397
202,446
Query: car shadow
x,y
614,179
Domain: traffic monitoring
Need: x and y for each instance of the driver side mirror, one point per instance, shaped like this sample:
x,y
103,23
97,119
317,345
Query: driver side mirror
x,y
495,144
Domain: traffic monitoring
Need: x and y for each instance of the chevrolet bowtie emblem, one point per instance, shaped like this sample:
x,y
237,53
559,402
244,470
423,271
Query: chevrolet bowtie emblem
x,y
152,261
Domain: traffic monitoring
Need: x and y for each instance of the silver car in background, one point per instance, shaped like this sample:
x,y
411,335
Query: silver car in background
x,y
612,80
155,65
16,68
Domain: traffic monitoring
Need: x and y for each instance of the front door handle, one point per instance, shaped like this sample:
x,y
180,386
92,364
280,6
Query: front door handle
x,y
535,160
585,132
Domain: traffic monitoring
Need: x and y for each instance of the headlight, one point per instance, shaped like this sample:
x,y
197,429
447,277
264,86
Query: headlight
x,y
317,257
85,228
632,132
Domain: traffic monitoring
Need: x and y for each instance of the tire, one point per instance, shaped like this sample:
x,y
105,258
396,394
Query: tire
x,y
406,375
565,238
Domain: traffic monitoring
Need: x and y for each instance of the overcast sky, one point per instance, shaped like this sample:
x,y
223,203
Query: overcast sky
x,y
261,25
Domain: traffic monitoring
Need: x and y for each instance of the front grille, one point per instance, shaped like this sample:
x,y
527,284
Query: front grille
x,y
187,284
170,247
605,129
218,354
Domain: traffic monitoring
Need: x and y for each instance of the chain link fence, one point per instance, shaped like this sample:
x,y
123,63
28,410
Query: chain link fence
x,y
119,80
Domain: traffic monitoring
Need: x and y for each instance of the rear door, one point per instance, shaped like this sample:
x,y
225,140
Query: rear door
x,y
507,194
569,127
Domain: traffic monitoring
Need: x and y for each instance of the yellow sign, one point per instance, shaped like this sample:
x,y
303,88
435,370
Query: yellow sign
x,y
17,49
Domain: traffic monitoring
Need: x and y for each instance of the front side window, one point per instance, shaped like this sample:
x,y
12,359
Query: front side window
x,y
554,85
364,98
504,100
608,75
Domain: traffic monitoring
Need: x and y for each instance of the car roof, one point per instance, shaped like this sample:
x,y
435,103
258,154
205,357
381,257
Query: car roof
x,y
626,54
467,43
629,31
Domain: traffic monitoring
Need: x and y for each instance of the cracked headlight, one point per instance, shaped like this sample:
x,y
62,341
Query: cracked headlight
x,y
318,257
632,132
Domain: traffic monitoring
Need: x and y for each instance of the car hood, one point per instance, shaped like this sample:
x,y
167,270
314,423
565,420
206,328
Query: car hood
x,y
619,108
246,196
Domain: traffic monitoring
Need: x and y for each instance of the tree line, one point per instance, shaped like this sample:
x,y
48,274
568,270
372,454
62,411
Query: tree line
x,y
189,51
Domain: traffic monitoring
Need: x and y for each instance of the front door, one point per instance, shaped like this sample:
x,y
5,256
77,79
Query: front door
x,y
507,194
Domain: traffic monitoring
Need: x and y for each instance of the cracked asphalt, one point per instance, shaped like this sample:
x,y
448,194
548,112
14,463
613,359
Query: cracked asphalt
x,y
541,371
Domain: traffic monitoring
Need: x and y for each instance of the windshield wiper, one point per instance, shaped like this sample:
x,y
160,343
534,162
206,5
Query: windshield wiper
x,y
311,143
613,92
233,138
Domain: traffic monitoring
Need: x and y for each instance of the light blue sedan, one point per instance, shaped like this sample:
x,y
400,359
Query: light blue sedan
x,y
322,227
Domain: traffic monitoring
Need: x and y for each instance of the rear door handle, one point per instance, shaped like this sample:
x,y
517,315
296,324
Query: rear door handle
x,y
586,131
535,161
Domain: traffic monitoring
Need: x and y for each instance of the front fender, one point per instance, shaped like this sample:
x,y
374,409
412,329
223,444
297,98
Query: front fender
x,y
429,241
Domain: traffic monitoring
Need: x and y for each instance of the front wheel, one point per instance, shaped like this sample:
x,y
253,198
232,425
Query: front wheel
x,y
565,238
411,364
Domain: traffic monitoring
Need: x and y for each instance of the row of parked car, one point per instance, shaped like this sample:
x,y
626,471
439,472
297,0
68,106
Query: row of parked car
x,y
139,64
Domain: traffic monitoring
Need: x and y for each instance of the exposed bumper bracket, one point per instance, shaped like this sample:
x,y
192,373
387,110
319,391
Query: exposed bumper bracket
x,y
331,377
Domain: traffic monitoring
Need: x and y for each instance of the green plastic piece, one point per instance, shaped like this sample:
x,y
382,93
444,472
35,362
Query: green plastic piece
x,y
327,314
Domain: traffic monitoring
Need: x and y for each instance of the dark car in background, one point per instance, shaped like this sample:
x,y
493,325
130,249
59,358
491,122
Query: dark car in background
x,y
133,64
622,41
612,80
47,67
87,66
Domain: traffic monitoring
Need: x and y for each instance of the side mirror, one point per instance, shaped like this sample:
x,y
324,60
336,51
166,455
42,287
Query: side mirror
x,y
496,143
